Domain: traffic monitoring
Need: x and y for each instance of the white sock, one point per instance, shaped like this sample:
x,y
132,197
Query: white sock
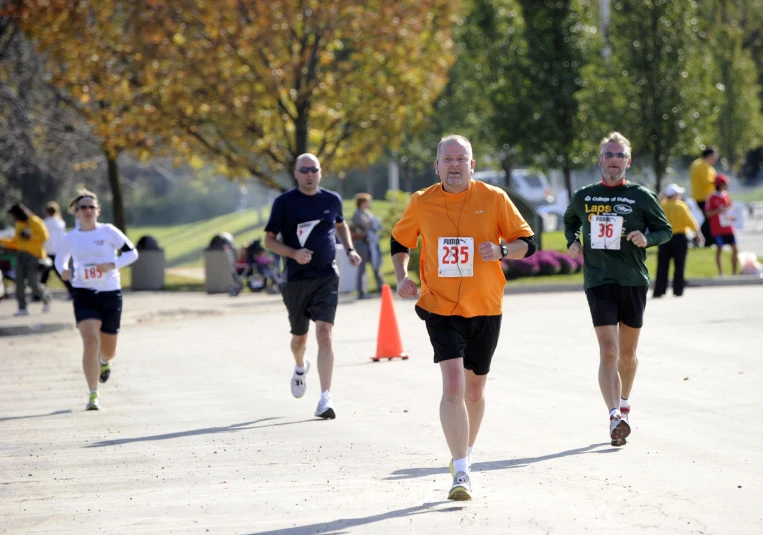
x,y
614,413
299,370
326,394
101,361
461,465
93,392
625,403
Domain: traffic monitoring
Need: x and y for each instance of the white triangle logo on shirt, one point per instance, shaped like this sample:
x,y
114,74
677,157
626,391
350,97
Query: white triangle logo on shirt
x,y
304,230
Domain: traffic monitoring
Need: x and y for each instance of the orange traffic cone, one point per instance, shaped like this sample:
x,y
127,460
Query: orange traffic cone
x,y
389,345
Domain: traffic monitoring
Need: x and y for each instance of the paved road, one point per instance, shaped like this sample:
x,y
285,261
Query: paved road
x,y
199,432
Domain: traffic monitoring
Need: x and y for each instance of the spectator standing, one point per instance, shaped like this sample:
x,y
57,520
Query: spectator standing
x,y
718,212
56,232
702,174
681,221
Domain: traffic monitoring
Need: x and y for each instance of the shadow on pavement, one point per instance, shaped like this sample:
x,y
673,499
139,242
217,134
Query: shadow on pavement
x,y
54,413
337,526
409,473
204,431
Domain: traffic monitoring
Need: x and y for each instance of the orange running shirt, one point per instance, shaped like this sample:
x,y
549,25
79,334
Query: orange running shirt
x,y
486,214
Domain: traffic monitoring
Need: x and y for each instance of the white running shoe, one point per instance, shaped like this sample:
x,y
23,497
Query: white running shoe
x,y
298,384
619,429
21,312
461,490
94,403
325,408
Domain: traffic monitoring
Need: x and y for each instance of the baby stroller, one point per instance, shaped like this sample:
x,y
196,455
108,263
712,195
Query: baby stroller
x,y
256,269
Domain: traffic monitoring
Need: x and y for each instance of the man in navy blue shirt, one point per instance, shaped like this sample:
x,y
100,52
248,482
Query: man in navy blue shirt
x,y
309,219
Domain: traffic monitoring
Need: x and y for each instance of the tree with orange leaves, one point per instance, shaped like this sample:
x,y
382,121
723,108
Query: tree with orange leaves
x,y
249,85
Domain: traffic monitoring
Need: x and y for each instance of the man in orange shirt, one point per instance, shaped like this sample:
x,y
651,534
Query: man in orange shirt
x,y
466,227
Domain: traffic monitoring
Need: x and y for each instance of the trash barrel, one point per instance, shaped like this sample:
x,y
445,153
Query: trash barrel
x,y
348,274
148,269
219,264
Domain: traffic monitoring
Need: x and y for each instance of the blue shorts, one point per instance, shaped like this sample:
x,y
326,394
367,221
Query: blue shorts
x,y
104,306
725,239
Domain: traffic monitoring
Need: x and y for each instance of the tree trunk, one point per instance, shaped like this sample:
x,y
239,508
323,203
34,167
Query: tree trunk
x,y
658,174
507,164
118,203
567,173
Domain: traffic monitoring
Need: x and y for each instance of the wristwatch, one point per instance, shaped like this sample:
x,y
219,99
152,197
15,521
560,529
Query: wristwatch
x,y
504,251
351,249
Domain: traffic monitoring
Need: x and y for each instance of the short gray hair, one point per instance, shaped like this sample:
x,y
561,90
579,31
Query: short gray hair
x,y
455,137
615,137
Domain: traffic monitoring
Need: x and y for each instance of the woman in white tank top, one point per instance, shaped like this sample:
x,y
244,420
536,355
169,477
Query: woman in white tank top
x,y
97,288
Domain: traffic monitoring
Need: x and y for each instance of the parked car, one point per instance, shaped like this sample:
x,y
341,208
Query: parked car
x,y
532,185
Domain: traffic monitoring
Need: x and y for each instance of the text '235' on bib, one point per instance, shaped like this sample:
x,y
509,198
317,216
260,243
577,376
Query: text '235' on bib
x,y
455,257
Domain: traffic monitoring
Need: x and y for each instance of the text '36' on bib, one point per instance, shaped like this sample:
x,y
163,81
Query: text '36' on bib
x,y
606,231
455,257
91,276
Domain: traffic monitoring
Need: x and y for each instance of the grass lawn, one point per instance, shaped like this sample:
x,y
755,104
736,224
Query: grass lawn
x,y
748,195
184,246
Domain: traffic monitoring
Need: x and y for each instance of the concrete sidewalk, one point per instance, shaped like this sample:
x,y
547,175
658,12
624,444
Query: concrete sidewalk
x,y
200,434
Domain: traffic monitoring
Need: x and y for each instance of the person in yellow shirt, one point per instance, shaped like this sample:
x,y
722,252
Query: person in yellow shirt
x,y
466,228
680,219
702,175
31,234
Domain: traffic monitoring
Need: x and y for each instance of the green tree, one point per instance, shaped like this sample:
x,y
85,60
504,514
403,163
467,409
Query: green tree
x,y
739,125
486,94
561,39
656,85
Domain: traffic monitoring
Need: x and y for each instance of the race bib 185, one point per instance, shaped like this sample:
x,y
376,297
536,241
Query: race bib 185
x,y
90,276
455,257
606,231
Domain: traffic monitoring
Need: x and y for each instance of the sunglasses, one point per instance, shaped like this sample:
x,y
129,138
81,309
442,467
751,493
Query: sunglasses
x,y
619,155
86,207
306,170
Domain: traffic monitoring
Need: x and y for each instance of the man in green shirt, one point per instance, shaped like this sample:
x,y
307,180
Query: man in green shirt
x,y
619,220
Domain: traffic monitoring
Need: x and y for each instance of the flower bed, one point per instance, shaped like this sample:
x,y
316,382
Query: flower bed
x,y
542,263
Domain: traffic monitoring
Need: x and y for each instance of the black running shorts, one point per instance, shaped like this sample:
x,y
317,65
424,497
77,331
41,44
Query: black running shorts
x,y
310,299
473,339
104,306
612,304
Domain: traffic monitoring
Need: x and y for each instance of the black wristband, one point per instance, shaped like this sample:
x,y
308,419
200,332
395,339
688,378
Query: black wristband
x,y
351,249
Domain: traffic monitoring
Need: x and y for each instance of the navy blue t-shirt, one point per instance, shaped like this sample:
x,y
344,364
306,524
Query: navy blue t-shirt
x,y
308,221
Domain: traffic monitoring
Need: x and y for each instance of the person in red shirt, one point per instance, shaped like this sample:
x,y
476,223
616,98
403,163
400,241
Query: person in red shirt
x,y
718,212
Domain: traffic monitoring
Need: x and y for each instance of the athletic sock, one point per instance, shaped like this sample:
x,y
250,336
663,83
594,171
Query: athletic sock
x,y
300,371
614,413
461,465
625,403
93,392
326,394
101,361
